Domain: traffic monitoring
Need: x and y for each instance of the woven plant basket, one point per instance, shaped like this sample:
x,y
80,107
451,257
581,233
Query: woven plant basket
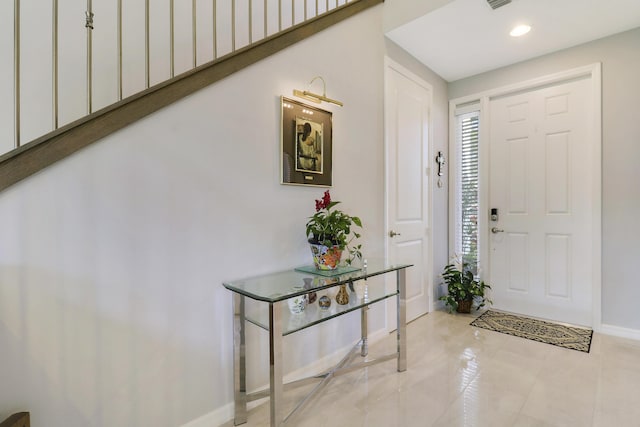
x,y
464,306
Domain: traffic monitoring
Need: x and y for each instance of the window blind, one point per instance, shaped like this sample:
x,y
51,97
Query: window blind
x,y
468,137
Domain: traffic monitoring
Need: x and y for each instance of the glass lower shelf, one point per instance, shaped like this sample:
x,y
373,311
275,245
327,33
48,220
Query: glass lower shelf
x,y
362,295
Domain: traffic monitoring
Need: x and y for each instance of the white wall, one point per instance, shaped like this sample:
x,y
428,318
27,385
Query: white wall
x,y
620,57
112,311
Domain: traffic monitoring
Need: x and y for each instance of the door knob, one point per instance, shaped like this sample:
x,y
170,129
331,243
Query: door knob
x,y
496,230
393,233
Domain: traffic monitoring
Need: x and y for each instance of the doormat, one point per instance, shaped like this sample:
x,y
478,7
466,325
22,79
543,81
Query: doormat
x,y
537,330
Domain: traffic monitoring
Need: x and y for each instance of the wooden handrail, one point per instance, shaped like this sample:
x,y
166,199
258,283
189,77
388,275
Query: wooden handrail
x,y
48,149
20,419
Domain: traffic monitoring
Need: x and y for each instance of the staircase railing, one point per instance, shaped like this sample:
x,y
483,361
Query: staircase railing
x,y
232,46
20,419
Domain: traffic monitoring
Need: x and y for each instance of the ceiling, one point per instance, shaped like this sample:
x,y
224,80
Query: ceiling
x,y
467,37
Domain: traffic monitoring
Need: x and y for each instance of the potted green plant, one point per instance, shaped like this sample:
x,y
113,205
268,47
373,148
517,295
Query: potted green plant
x,y
463,289
329,232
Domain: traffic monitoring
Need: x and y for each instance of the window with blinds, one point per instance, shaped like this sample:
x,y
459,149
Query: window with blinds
x,y
467,209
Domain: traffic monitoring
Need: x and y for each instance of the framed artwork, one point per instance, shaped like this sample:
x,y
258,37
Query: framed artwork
x,y
305,144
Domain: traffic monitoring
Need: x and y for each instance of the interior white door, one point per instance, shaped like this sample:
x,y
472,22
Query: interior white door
x,y
540,249
407,109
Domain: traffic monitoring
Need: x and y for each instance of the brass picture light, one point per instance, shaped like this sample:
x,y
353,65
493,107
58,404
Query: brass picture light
x,y
314,97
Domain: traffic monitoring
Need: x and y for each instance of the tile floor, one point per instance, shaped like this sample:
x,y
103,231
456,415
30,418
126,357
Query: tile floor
x,y
459,375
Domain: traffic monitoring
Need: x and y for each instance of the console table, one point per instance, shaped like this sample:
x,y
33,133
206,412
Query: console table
x,y
269,310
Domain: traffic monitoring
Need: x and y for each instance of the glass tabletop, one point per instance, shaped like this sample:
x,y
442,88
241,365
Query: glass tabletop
x,y
287,284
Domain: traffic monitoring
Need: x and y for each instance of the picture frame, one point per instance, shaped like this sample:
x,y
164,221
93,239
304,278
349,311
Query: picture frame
x,y
306,144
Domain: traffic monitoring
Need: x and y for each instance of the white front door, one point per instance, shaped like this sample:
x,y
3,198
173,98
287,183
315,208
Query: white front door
x,y
407,109
541,247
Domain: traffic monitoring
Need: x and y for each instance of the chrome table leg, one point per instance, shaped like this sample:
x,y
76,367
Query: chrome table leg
x,y
402,319
275,363
239,361
364,350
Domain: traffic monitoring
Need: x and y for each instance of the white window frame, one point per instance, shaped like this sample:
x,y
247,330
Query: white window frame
x,y
455,208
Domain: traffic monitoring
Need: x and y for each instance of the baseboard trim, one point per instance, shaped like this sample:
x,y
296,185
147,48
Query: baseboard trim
x,y
618,331
224,414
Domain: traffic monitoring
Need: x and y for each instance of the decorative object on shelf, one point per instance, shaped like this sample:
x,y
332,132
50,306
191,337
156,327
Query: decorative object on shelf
x,y
307,151
332,292
320,281
330,232
297,304
342,297
463,289
324,302
311,296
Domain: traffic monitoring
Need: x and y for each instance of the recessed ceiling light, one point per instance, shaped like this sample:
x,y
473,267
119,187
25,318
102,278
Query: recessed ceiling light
x,y
520,30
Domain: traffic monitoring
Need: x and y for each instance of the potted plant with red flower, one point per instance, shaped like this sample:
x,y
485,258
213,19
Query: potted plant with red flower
x,y
329,232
